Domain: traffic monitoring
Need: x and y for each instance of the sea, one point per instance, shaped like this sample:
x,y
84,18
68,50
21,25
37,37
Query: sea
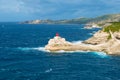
x,y
23,56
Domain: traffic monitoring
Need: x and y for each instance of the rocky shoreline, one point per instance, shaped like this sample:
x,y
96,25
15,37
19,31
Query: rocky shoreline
x,y
99,42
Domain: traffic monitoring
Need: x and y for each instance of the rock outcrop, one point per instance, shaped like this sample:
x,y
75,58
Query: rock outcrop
x,y
98,38
57,43
106,40
91,25
99,42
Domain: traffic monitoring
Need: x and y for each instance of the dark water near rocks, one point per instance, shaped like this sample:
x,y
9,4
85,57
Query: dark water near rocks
x,y
22,55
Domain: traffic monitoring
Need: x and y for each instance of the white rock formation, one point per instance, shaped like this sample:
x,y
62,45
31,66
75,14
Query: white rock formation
x,y
98,38
57,42
91,25
99,42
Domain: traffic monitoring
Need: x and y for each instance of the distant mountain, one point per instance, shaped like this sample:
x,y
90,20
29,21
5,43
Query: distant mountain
x,y
101,20
38,22
71,21
74,21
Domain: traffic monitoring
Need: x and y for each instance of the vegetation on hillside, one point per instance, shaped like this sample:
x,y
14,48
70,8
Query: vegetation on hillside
x,y
114,27
101,20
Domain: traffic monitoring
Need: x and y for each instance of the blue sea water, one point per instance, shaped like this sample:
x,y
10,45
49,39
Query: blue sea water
x,y
22,55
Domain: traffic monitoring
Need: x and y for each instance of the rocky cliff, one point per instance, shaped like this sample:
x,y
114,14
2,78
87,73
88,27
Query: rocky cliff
x,y
57,43
106,40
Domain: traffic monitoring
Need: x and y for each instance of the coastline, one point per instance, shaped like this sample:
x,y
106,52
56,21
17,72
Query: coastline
x,y
98,42
83,47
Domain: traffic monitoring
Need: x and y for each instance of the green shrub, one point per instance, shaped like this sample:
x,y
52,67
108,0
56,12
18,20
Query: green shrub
x,y
114,27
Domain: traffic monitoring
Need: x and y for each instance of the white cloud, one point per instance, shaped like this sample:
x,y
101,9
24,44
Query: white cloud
x,y
8,6
58,8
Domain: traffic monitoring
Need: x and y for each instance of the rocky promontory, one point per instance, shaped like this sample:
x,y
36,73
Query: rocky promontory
x,y
57,43
106,40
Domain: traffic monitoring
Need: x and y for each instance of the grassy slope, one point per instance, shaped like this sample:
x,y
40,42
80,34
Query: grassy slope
x,y
114,27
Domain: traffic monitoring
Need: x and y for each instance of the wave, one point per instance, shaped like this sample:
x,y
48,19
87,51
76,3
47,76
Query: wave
x,y
48,70
43,49
32,48
90,33
100,54
76,42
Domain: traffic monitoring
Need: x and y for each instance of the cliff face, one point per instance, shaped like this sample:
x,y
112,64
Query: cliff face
x,y
99,42
98,38
57,43
106,40
104,43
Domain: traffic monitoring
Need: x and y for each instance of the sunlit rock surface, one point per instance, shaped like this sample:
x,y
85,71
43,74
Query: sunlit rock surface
x,y
57,43
99,42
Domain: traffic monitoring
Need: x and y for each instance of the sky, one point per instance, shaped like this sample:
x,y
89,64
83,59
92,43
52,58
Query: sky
x,y
22,10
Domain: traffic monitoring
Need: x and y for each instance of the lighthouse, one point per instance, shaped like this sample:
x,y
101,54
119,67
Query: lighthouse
x,y
57,43
57,34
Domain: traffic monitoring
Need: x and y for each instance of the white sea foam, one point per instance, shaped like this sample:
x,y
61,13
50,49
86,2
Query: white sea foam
x,y
76,42
91,33
41,49
49,70
32,48
24,48
101,54
62,51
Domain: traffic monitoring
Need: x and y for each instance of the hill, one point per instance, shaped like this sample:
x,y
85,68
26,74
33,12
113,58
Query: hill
x,y
105,20
71,21
114,27
100,20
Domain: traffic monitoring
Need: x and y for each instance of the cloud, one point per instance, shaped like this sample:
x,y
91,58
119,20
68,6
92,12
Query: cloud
x,y
7,6
57,9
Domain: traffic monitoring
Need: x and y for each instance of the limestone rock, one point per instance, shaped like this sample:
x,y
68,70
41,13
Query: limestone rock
x,y
57,43
99,42
98,38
